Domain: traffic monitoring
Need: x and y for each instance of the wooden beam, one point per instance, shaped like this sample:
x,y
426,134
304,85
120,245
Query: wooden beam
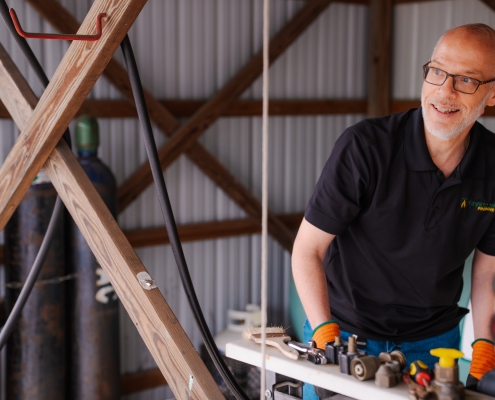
x,y
240,108
201,231
169,345
72,81
143,380
364,2
380,59
404,105
251,108
412,1
117,75
489,3
187,134
206,230
155,321
367,2
244,108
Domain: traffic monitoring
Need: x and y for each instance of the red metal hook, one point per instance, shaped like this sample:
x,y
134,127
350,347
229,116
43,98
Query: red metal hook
x,y
56,36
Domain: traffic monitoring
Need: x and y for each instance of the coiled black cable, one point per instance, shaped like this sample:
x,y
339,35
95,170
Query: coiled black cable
x,y
166,207
58,209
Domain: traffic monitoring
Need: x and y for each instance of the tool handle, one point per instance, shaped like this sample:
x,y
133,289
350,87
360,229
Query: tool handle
x,y
279,342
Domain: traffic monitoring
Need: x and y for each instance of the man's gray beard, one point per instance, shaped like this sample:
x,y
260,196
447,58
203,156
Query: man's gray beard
x,y
456,130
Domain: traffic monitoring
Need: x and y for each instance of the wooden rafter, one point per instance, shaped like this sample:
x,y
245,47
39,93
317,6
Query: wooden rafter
x,y
367,2
205,230
490,3
412,1
143,380
186,135
172,350
244,108
201,231
61,19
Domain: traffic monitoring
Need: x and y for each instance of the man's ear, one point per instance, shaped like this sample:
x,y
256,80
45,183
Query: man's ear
x,y
491,99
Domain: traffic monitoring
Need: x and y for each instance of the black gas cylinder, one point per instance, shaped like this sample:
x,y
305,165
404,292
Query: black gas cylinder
x,y
36,349
93,310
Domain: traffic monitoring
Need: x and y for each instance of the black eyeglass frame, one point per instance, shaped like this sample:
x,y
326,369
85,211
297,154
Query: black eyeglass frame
x,y
426,69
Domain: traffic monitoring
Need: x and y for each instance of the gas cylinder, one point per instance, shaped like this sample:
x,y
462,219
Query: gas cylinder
x,y
36,349
93,310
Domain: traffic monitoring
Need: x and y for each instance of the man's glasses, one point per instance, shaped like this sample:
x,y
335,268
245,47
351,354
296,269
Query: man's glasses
x,y
463,84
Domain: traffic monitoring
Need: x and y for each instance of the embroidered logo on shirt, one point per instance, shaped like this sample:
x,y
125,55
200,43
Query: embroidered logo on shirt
x,y
480,206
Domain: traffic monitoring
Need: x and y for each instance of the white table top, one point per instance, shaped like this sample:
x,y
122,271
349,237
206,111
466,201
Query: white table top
x,y
325,376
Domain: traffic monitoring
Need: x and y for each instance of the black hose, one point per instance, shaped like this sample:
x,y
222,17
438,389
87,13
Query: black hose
x,y
168,215
57,209
28,53
24,46
33,274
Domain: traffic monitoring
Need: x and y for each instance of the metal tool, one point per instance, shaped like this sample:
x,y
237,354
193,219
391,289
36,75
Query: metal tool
x,y
312,353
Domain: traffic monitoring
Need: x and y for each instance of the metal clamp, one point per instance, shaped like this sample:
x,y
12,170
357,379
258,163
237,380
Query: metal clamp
x,y
56,36
146,281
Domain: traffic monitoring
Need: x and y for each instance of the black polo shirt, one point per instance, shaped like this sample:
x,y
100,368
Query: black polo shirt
x,y
394,271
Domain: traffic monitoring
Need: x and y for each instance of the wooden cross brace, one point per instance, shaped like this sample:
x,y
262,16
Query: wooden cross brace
x,y
183,137
42,125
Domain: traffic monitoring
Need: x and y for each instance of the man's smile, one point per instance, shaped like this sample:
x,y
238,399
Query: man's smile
x,y
444,110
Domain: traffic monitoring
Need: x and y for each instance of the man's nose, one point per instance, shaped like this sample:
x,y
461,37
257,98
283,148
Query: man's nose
x,y
447,89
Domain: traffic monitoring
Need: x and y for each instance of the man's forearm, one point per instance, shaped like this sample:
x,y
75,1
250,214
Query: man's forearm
x,y
308,253
310,280
483,295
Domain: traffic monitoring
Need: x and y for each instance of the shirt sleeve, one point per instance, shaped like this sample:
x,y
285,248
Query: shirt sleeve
x,y
487,242
343,187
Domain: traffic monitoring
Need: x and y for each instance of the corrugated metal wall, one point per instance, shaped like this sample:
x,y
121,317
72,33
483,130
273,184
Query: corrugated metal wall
x,y
189,49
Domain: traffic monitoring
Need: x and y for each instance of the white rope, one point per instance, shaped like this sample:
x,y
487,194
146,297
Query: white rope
x,y
264,197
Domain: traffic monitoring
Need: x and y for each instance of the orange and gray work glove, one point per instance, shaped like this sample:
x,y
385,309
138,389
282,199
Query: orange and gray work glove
x,y
326,332
483,360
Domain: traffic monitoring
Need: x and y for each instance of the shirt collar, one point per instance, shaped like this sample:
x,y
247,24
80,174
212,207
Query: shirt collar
x,y
418,157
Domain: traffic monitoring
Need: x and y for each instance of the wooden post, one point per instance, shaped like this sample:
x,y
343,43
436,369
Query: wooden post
x,y
380,61
172,350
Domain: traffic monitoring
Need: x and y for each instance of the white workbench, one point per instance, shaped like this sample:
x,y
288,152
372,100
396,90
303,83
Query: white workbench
x,y
325,376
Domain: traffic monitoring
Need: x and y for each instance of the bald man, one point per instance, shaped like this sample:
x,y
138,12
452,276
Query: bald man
x,y
401,203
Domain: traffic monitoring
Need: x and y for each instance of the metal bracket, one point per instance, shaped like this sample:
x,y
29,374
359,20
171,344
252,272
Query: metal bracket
x,y
280,387
56,36
146,281
288,391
